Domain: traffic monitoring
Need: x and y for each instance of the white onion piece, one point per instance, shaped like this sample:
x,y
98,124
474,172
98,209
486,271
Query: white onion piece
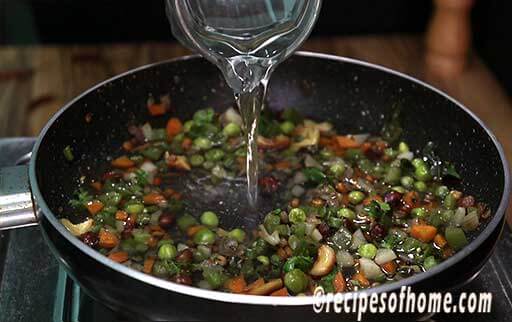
x,y
344,259
77,229
299,178
316,235
147,130
357,239
459,216
405,155
309,161
181,247
384,255
128,176
369,269
360,138
470,221
309,228
271,239
231,116
150,168
298,191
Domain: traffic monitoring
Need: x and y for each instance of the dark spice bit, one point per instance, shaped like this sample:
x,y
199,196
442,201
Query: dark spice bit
x,y
324,230
90,239
467,201
393,198
166,220
185,256
268,184
378,232
375,152
182,279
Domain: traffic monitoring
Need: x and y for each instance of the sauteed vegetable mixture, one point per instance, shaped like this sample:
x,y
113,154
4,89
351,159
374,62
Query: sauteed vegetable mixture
x,y
354,211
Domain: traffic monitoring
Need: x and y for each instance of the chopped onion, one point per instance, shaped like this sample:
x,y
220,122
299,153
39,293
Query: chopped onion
x,y
369,269
360,138
119,225
316,235
205,250
150,168
357,239
470,221
405,155
181,247
231,116
344,259
128,176
204,285
309,228
365,185
155,216
309,161
271,239
147,130
299,178
459,216
298,191
384,255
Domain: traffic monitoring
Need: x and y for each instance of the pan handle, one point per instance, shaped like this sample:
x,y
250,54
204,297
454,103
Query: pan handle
x,y
16,204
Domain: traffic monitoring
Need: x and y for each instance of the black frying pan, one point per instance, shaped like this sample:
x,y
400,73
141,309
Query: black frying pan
x,y
354,95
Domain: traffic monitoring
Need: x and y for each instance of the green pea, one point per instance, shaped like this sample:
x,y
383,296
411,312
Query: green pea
x,y
231,130
186,221
449,201
208,165
204,237
389,152
296,281
214,155
442,191
334,222
204,116
326,153
111,198
167,251
346,213
202,143
187,126
367,250
422,173
153,153
407,182
210,219
355,197
287,127
393,175
403,147
417,162
399,189
337,169
263,260
68,153
196,160
237,234
420,186
297,215
429,262
419,212
134,208
293,241
215,277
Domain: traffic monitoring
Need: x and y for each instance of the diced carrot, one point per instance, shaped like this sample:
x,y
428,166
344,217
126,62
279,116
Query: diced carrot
x,y
128,146
186,144
173,127
236,284
339,283
366,146
148,265
108,239
346,142
345,200
389,267
156,109
123,162
157,181
121,215
119,257
361,279
325,141
169,193
152,241
191,231
153,198
94,206
280,292
282,165
369,199
257,283
440,241
424,233
340,187
96,185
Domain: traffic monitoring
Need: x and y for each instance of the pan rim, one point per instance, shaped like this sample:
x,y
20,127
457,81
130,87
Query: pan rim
x,y
266,300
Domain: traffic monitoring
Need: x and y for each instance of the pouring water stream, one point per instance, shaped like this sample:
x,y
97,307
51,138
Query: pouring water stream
x,y
246,40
